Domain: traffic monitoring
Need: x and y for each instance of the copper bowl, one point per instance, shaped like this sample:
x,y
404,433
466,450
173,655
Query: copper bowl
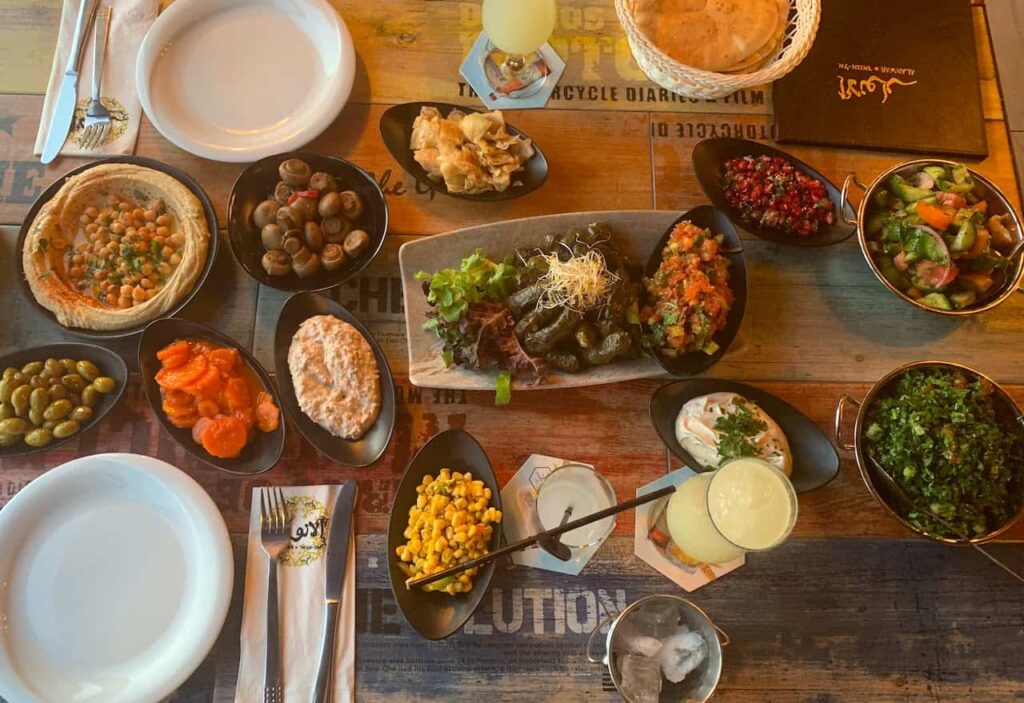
x,y
881,492
988,191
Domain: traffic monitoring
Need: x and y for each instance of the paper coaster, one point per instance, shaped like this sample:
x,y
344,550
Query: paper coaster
x,y
473,69
519,517
651,516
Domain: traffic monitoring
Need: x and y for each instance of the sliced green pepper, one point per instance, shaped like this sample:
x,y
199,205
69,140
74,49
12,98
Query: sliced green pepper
x,y
906,192
965,237
937,301
964,298
893,274
893,231
876,221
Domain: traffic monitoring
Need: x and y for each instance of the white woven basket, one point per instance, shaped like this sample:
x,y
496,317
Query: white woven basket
x,y
695,83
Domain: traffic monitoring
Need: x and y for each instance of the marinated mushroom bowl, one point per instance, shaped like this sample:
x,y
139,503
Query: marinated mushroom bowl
x,y
940,236
305,221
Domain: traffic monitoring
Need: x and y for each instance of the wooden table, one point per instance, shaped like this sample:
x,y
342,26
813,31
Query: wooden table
x,y
852,608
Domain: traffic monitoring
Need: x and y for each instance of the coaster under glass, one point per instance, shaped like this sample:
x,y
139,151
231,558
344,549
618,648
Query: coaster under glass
x,y
529,86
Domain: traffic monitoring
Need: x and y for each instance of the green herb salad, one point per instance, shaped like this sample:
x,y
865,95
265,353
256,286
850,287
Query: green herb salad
x,y
949,441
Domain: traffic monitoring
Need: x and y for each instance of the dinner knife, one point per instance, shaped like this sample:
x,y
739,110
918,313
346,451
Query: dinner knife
x,y
67,96
337,560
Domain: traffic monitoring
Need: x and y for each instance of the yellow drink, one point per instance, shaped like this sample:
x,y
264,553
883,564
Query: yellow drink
x,y
752,504
519,26
690,525
747,505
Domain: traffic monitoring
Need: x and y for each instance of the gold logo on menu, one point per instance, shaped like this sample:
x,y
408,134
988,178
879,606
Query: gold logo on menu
x,y
309,522
872,80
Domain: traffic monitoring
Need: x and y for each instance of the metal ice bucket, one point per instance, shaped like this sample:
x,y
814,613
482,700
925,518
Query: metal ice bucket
x,y
701,683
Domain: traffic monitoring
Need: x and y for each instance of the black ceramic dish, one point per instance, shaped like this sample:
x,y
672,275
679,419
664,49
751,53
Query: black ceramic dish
x,y
709,157
438,615
47,195
368,448
396,130
263,452
707,217
256,184
109,363
815,460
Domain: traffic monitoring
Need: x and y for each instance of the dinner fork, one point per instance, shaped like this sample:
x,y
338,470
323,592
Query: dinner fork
x,y
274,538
97,117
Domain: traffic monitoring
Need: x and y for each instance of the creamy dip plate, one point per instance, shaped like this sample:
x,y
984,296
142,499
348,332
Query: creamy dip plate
x,y
334,380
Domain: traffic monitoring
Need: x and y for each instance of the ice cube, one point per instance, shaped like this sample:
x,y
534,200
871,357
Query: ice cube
x,y
658,619
641,678
641,644
681,654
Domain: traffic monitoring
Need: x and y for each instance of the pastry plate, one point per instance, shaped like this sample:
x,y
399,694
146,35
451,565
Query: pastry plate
x,y
396,131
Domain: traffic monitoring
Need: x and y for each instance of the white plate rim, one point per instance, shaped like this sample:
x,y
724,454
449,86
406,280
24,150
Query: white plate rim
x,y
208,519
335,100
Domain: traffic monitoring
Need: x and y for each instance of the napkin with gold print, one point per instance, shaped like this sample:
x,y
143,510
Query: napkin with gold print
x,y
301,602
129,22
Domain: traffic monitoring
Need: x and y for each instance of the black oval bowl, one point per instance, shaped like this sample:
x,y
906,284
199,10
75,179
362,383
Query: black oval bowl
x,y
110,363
368,448
47,195
256,184
709,157
259,455
438,615
711,218
396,131
815,460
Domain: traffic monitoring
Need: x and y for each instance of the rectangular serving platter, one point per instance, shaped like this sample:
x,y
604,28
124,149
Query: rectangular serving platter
x,y
636,231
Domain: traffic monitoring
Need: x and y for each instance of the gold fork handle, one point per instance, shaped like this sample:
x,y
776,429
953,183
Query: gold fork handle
x,y
100,50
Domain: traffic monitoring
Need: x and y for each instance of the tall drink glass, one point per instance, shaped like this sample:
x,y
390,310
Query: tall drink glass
x,y
516,28
746,506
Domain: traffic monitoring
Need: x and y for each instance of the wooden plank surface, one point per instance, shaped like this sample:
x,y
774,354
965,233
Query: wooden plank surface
x,y
1006,24
853,608
604,426
411,48
912,638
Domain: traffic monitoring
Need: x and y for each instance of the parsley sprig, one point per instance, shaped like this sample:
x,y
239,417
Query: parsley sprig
x,y
737,431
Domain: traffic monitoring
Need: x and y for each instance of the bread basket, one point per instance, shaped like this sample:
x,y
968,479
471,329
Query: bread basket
x,y
691,82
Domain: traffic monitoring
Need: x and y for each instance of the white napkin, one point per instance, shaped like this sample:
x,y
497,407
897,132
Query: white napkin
x,y
129,23
301,604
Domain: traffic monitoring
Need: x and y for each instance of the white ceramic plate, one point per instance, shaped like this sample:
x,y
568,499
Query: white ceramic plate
x,y
637,232
115,579
240,80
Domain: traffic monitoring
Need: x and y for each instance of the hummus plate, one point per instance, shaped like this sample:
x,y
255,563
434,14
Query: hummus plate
x,y
371,445
45,283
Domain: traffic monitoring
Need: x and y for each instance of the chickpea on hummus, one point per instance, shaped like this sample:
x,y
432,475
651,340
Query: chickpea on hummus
x,y
335,376
117,246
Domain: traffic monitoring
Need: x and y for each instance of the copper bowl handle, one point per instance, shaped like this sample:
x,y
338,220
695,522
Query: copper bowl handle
x,y
851,179
840,414
590,640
